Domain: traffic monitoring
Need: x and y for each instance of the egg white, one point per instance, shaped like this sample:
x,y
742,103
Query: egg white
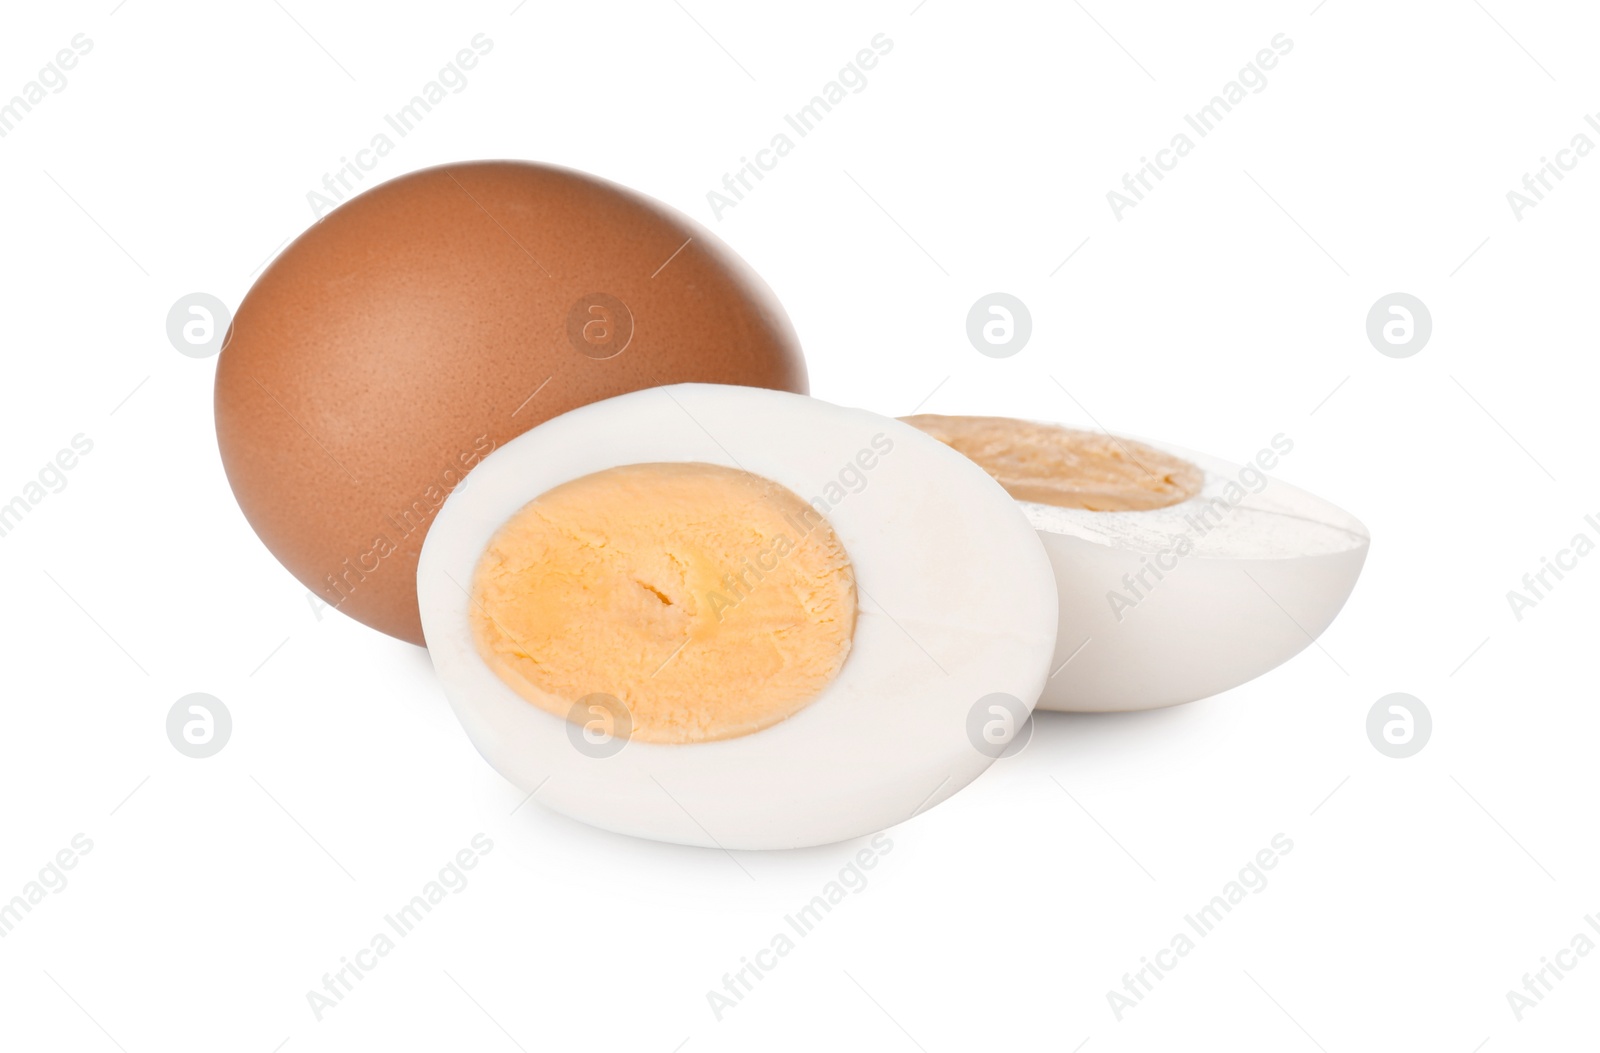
x,y
1262,581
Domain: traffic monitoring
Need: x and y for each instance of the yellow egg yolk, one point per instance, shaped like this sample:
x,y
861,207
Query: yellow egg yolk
x,y
1065,467
710,602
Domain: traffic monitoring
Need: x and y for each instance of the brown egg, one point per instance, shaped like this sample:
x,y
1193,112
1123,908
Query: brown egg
x,y
420,325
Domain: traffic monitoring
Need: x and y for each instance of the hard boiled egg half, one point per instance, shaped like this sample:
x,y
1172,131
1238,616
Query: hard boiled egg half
x,y
734,617
1179,575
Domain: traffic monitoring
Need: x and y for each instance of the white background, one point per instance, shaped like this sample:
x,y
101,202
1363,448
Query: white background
x,y
1227,307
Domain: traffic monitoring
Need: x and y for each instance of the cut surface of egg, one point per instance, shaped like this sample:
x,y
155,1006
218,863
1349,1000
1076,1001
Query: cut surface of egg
x,y
734,617
1179,575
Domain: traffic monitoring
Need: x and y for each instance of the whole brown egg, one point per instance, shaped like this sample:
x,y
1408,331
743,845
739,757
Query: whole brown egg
x,y
421,324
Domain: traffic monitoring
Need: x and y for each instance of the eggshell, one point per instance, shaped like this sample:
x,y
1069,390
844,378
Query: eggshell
x,y
420,325
1265,573
957,605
